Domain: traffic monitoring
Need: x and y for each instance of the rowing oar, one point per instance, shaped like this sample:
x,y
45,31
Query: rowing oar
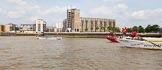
x,y
151,42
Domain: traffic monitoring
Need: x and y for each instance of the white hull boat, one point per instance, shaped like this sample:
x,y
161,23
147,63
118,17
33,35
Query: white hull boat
x,y
49,38
153,39
140,44
129,43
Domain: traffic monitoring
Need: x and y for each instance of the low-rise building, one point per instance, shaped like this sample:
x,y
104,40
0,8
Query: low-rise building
x,y
27,28
50,29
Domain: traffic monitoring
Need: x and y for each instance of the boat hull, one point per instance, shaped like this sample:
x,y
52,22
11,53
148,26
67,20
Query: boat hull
x,y
49,38
153,39
140,44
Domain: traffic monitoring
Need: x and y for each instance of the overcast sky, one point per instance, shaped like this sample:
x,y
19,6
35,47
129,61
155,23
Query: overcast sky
x,y
126,12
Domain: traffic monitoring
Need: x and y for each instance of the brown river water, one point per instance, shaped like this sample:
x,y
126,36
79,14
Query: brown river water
x,y
28,53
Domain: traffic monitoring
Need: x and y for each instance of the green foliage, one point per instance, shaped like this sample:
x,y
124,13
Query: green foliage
x,y
135,28
102,28
116,29
97,28
86,29
148,28
129,30
153,28
91,28
109,28
140,29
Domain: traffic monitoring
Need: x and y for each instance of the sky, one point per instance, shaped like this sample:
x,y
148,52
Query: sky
x,y
127,13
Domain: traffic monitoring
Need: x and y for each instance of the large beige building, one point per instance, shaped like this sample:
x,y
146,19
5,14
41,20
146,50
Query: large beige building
x,y
75,23
1,28
7,28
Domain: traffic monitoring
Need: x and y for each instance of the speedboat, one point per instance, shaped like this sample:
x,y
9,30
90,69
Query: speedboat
x,y
49,38
128,42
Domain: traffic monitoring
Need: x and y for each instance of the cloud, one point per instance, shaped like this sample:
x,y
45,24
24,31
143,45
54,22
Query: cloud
x,y
111,10
18,2
21,8
147,14
53,10
145,17
15,14
112,0
138,14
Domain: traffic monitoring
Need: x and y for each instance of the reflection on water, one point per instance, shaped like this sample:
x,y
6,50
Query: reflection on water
x,y
28,53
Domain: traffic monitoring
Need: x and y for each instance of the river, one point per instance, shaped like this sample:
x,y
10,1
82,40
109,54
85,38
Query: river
x,y
28,53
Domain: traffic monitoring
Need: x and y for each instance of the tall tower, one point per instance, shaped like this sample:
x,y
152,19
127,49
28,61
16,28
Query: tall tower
x,y
40,26
73,20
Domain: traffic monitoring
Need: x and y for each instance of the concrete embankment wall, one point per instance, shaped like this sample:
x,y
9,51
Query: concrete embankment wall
x,y
70,35
81,34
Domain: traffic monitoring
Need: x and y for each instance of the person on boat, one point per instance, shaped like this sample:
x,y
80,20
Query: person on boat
x,y
124,31
134,35
37,35
112,34
112,37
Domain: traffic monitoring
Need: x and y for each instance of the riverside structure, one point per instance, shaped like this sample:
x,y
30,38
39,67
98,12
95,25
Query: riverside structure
x,y
75,23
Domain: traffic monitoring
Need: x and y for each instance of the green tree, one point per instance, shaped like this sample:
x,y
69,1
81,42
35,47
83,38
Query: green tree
x,y
135,28
148,28
86,29
141,29
97,28
91,29
109,28
129,29
116,29
155,28
102,28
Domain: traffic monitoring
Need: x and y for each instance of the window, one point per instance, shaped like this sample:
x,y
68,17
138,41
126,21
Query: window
x,y
100,23
39,27
82,23
109,23
86,23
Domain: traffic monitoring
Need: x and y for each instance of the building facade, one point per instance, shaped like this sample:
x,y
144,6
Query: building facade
x,y
75,23
50,29
8,28
72,22
96,24
1,28
40,26
27,28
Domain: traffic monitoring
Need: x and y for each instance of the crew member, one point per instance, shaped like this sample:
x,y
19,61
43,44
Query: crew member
x,y
134,34
124,31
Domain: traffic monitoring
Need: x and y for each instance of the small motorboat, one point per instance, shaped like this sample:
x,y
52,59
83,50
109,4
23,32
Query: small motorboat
x,y
49,38
136,43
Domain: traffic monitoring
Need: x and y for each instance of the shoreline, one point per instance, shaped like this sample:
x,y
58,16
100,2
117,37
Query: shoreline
x,y
79,34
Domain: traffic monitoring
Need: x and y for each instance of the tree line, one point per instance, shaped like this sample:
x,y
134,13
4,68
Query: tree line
x,y
148,29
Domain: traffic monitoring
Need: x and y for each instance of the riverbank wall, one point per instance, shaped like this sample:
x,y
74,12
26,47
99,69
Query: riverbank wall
x,y
79,34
